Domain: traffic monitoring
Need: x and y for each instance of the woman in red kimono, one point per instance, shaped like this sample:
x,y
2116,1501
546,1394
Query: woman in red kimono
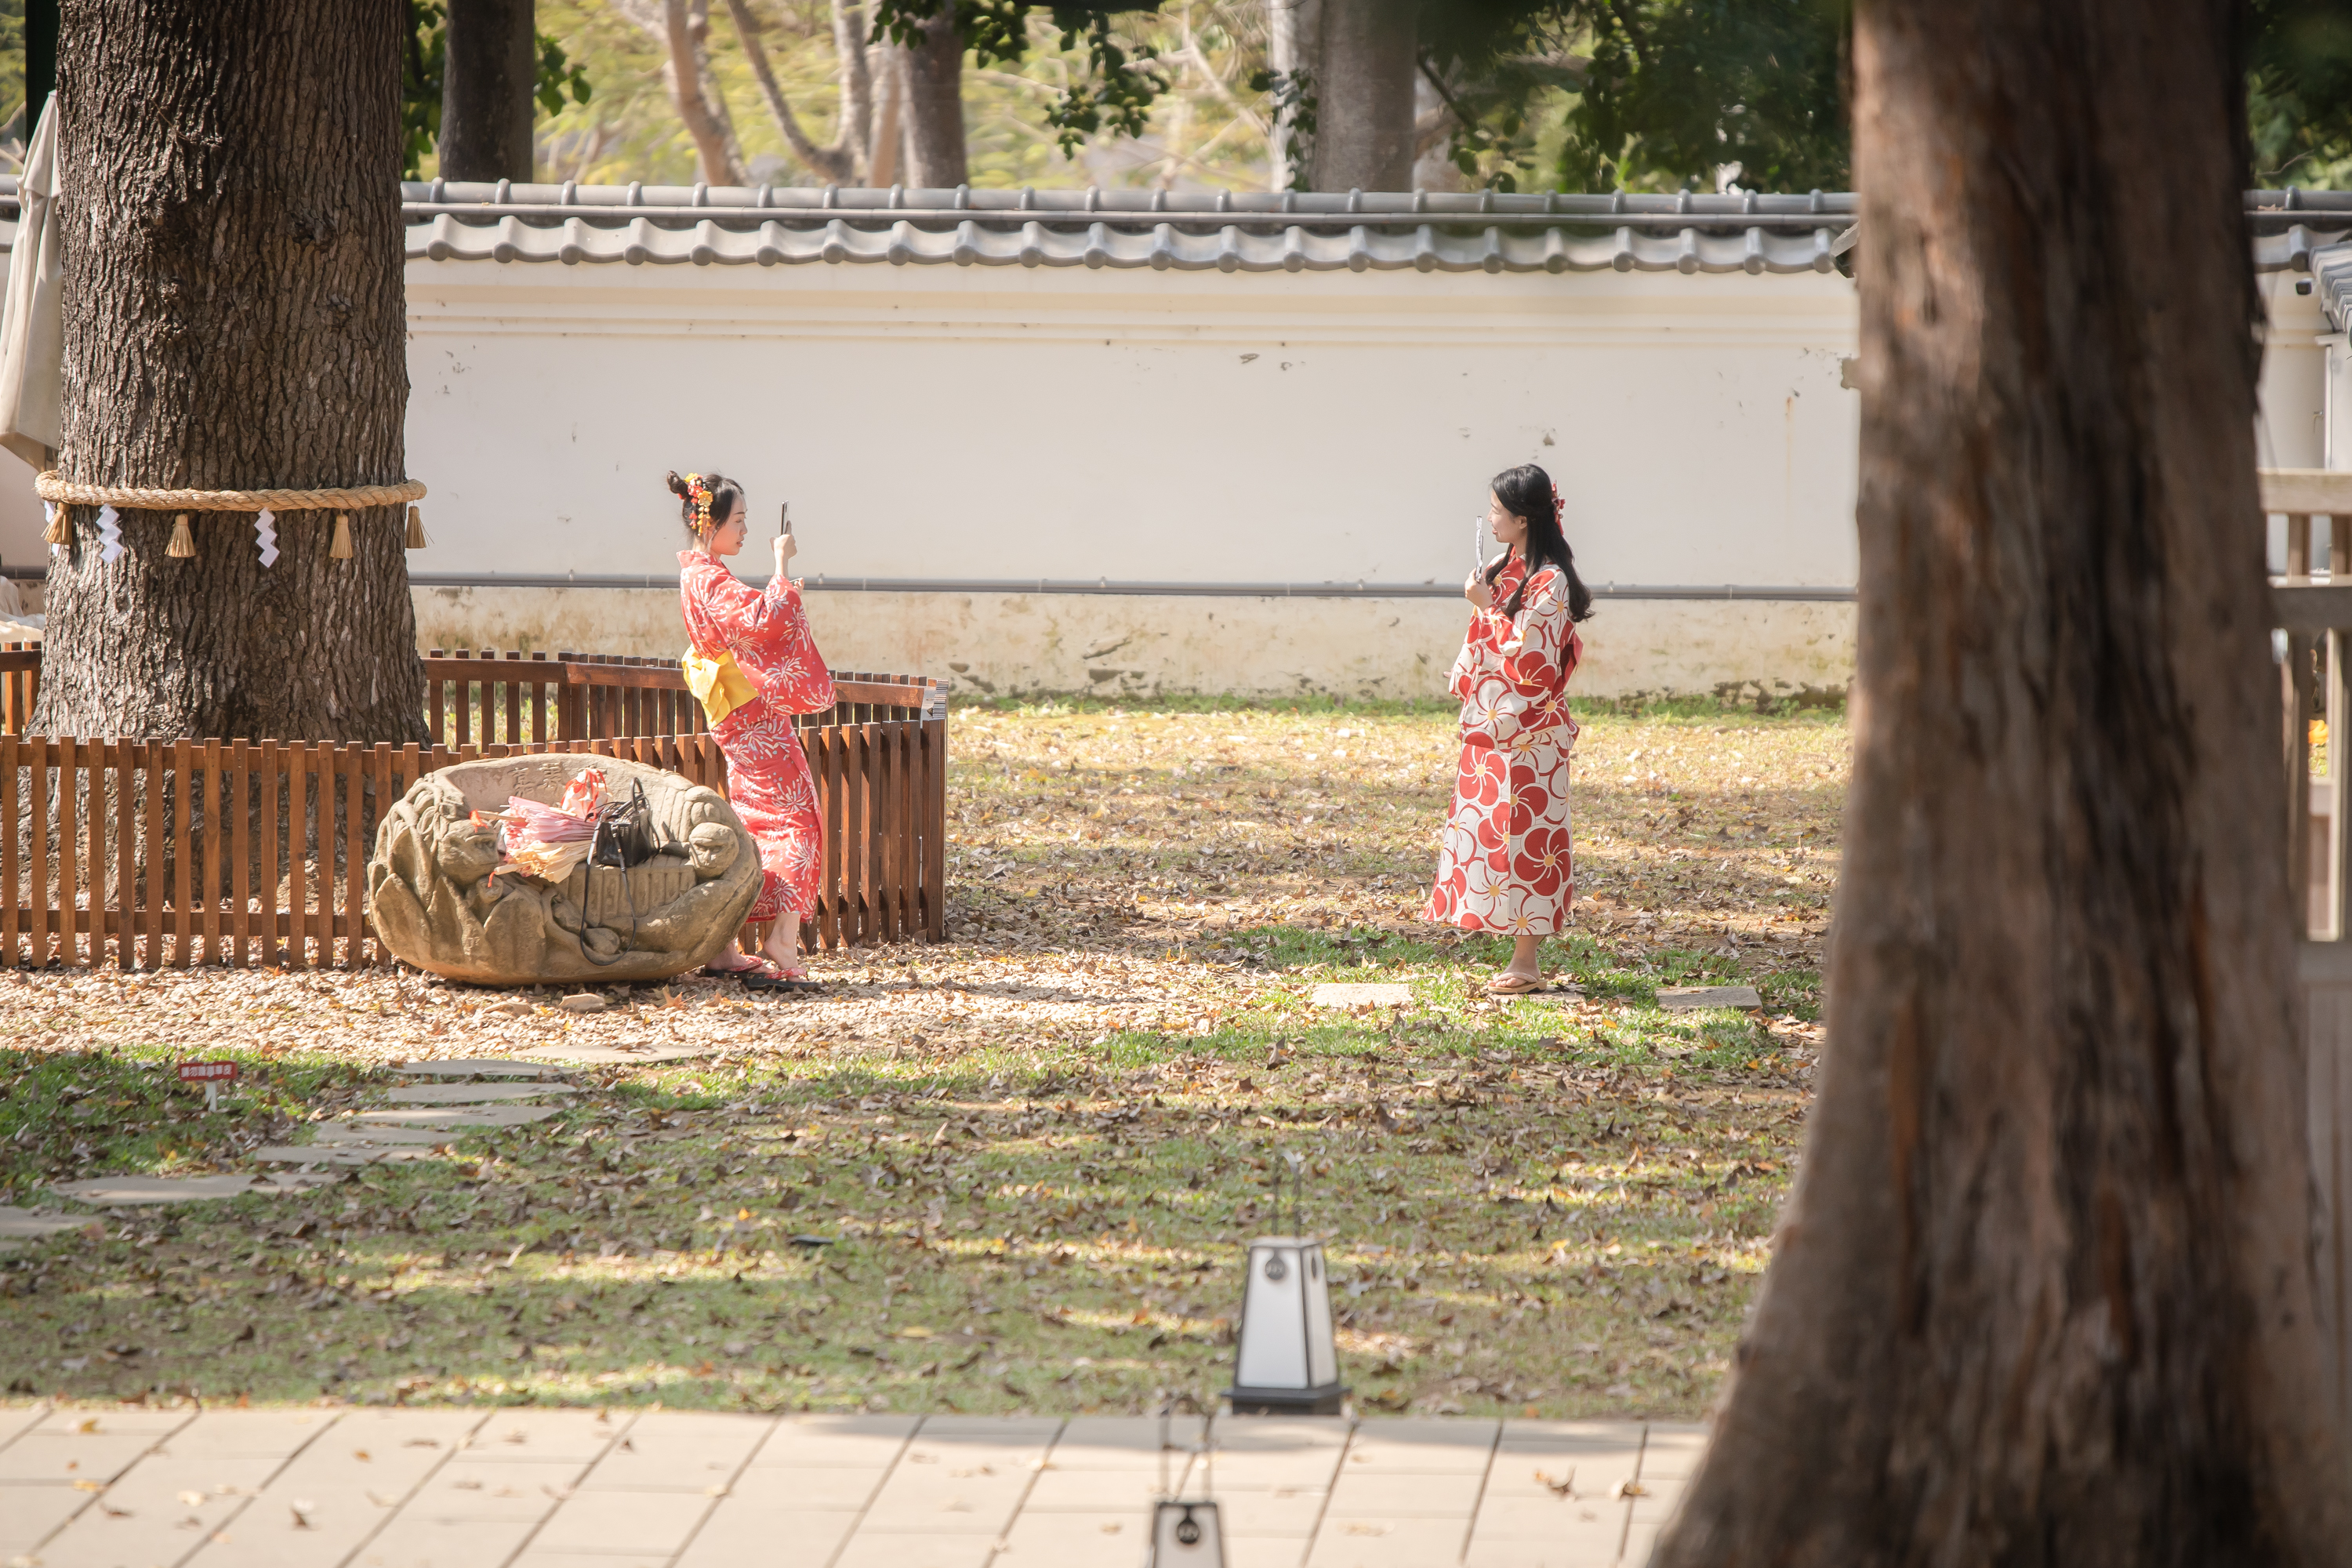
x,y
1504,862
753,664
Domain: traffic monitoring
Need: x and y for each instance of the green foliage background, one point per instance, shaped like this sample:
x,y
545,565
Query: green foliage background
x,y
1643,95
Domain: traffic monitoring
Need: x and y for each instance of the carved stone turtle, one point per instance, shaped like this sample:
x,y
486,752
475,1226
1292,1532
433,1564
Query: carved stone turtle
x,y
437,906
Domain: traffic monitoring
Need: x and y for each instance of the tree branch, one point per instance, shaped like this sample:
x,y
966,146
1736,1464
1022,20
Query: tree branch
x,y
686,28
835,162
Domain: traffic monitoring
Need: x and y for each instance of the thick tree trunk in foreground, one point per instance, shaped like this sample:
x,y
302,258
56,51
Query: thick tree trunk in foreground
x,y
1363,91
233,259
935,150
486,83
2044,1290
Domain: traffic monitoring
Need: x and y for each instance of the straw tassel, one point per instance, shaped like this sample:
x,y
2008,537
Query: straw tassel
x,y
341,549
184,544
417,539
60,530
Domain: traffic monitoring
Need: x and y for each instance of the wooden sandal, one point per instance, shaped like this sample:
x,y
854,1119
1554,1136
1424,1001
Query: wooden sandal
x,y
770,975
1515,986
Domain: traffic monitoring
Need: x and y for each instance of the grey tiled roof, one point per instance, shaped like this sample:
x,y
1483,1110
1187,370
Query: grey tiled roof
x,y
2331,266
1224,231
1231,233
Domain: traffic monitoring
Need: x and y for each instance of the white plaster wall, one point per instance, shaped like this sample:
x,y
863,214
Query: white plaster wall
x,y
1003,423
2292,431
1007,422
1124,645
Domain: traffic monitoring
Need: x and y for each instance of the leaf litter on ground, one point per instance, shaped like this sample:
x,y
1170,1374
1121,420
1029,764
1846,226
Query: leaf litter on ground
x,y
1013,1171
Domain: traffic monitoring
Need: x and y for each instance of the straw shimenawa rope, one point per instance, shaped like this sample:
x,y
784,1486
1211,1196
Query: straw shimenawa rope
x,y
65,492
48,487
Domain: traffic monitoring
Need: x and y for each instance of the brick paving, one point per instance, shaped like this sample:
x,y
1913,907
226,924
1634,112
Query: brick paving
x,y
529,1487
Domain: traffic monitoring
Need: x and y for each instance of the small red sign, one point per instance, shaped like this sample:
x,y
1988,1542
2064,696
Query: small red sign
x,y
205,1072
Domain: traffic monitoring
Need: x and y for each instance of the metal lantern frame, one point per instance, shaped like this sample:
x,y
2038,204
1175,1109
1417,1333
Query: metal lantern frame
x,y
1185,1535
1319,1391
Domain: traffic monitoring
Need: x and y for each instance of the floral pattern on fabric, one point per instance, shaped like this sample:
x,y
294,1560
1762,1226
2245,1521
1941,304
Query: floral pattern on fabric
x,y
1505,862
768,779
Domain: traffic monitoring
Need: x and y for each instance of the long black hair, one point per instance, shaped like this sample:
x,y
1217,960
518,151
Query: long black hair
x,y
1526,491
724,493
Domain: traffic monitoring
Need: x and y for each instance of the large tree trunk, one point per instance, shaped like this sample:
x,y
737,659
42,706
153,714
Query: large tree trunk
x,y
1363,91
887,64
487,109
856,82
2044,1291
233,254
1294,43
935,154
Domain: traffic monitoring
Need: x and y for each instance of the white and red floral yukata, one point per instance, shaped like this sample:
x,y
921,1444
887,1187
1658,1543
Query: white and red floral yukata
x,y
768,780
1504,862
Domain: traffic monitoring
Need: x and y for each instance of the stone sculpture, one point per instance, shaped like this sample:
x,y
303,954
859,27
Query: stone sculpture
x,y
437,906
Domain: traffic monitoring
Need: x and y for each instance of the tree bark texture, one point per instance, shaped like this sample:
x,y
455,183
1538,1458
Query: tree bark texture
x,y
849,42
835,164
1294,42
1363,90
486,84
234,320
935,148
685,35
2044,1291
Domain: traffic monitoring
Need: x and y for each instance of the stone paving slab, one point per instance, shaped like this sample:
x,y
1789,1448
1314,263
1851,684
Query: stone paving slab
x,y
1689,998
456,1116
529,1437
746,1532
1337,994
338,1154
412,1542
607,1055
475,1067
106,1191
472,1093
355,1134
192,1486
18,1419
526,1488
30,1514
690,1451
25,1223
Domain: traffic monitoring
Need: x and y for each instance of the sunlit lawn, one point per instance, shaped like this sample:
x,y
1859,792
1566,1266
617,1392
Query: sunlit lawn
x,y
1033,1151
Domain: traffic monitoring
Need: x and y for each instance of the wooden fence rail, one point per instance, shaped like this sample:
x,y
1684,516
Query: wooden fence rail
x,y
2312,610
152,854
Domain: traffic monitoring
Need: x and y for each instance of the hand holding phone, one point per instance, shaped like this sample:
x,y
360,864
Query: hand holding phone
x,y
786,545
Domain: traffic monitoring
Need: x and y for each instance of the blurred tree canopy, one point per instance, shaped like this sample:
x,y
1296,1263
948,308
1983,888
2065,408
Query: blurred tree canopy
x,y
1689,94
2299,91
1581,94
1118,90
420,80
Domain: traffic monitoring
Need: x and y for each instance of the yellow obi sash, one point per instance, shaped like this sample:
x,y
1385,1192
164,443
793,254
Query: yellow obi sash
x,y
718,684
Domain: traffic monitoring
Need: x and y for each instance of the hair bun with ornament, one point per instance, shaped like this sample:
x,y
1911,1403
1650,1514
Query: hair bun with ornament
x,y
706,501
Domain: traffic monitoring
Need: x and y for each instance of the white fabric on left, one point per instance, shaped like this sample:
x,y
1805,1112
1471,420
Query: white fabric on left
x,y
32,312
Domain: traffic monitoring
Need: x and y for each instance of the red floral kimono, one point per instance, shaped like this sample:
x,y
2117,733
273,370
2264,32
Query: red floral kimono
x,y
768,780
1504,863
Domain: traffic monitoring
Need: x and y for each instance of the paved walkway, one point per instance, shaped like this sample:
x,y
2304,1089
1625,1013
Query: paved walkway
x,y
461,1487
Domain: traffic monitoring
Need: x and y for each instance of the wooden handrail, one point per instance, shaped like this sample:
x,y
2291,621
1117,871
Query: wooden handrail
x,y
2306,490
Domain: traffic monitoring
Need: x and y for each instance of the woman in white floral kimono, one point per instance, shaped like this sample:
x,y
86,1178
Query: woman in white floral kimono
x,y
1504,863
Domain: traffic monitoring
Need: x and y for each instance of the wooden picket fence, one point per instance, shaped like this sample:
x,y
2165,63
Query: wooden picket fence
x,y
106,854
